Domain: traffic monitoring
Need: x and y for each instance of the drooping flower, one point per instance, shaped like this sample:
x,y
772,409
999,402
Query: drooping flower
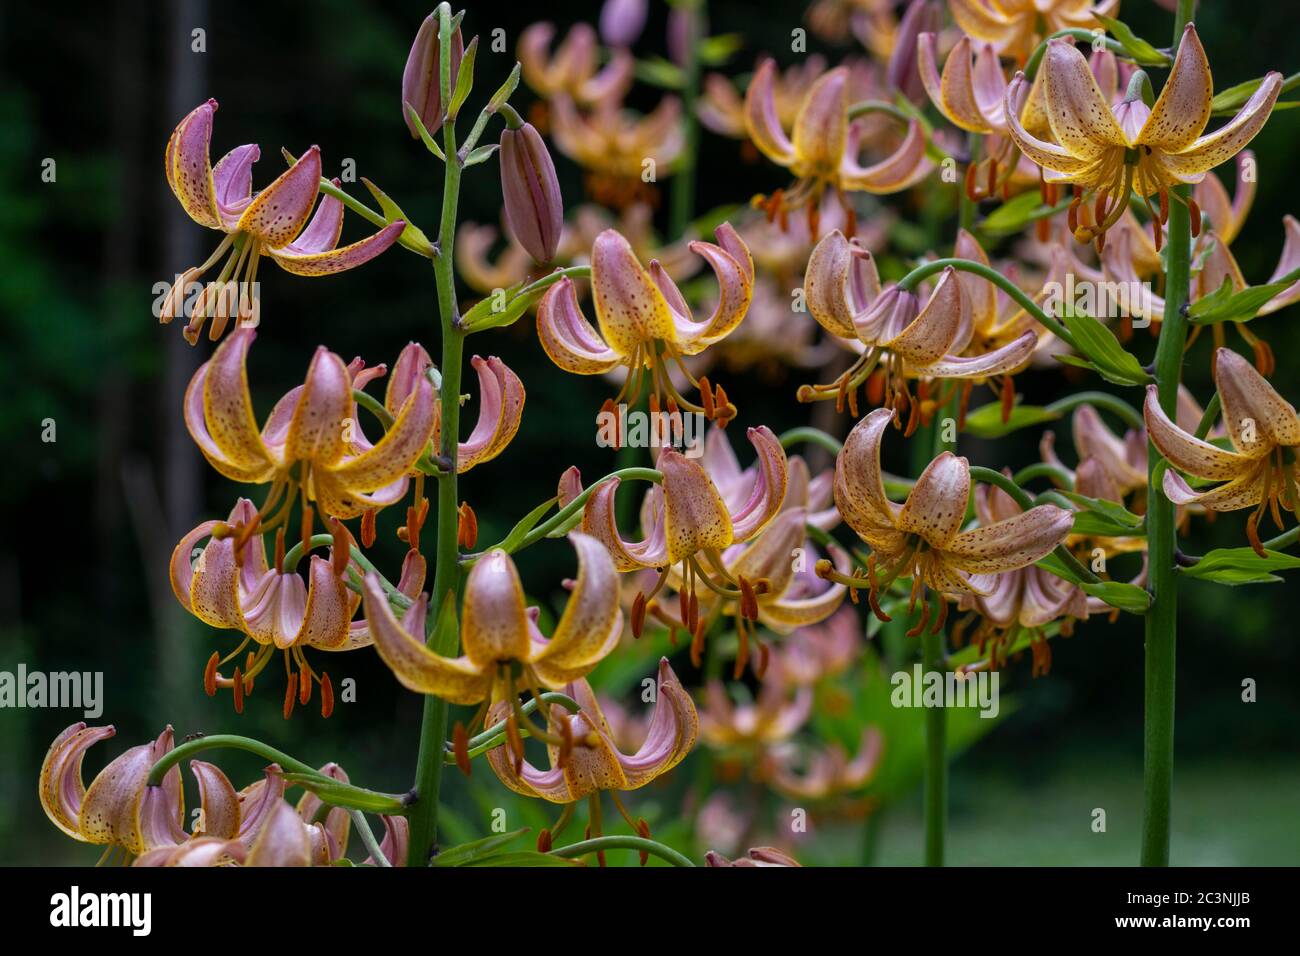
x,y
503,650
899,337
722,109
272,222
815,652
573,70
752,727
645,322
1015,27
1107,153
688,523
614,144
825,773
593,763
1258,471
923,538
823,151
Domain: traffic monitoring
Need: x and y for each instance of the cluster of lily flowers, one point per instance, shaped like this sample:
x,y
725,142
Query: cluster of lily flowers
x,y
729,559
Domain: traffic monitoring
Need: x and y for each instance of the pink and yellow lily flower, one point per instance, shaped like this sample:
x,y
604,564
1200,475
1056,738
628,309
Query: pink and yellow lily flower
x,y
823,150
272,222
613,143
1108,153
923,538
573,69
772,718
1258,470
645,322
825,773
503,649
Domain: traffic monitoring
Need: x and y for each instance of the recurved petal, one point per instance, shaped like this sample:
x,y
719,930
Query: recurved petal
x,y
734,270
599,519
904,167
1210,150
767,494
114,809
953,92
1287,263
278,212
1245,491
1011,543
840,282
1183,107
1080,117
1048,155
401,645
822,123
936,505
567,337
929,336
396,453
859,486
218,801
1187,452
324,405
761,119
1256,416
229,428
583,631
494,620
329,607
695,516
630,309
501,406
293,257
233,181
188,166
283,841
411,365
999,361
61,788
673,731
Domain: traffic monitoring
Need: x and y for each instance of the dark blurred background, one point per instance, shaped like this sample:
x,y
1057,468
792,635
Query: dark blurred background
x,y
90,519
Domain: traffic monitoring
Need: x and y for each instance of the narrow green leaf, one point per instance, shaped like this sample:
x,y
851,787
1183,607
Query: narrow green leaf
x,y
1224,305
1234,566
429,142
1136,47
1103,352
464,79
524,525
467,853
1126,597
412,236
986,421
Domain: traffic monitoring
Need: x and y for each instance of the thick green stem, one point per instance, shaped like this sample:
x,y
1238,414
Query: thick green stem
x,y
683,191
1162,618
640,844
433,727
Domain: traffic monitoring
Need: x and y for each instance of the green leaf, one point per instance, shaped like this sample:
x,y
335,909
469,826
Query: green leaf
x,y
480,154
1224,305
467,854
1235,97
716,51
986,421
660,72
1103,352
1016,213
1113,510
1136,47
429,142
1234,566
524,525
1055,565
345,795
1097,525
1126,597
464,79
412,236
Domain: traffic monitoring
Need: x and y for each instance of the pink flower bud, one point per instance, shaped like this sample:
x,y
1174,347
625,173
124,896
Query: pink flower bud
x,y
922,16
533,205
621,21
422,78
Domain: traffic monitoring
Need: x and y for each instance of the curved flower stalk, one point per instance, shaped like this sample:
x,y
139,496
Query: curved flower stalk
x,y
504,651
758,856
613,143
922,538
310,442
593,762
573,69
1258,471
272,222
1107,153
688,523
899,337
644,321
822,152
253,827
826,773
1015,27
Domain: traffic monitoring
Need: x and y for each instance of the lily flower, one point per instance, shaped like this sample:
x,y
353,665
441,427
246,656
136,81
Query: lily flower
x,y
252,827
823,150
758,856
819,651
645,322
899,337
310,440
689,524
1107,153
503,649
573,69
826,773
593,762
272,222
772,718
722,109
922,538
1258,471
1015,27
612,144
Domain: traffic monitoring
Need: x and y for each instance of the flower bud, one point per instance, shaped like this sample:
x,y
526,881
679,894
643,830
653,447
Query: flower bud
x,y
902,74
533,206
621,21
422,78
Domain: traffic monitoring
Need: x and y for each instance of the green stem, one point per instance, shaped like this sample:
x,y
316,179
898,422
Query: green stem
x,y
935,266
683,191
494,736
368,838
622,843
1162,618
813,436
433,726
1131,416
230,742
